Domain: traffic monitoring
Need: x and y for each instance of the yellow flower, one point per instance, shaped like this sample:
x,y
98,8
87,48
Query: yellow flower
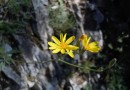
x,y
82,37
62,45
90,46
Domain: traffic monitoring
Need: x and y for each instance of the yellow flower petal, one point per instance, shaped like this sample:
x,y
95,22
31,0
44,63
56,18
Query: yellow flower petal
x,y
51,48
56,51
70,39
61,36
64,38
93,44
62,51
88,40
55,40
94,50
70,53
52,44
93,47
84,42
71,47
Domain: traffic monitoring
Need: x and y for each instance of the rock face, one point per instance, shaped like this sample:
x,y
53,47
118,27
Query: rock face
x,y
35,73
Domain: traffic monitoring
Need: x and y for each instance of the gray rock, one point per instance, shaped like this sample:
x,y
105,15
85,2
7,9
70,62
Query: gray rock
x,y
10,73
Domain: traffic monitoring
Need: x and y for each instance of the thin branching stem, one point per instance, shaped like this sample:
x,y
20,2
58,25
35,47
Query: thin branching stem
x,y
73,65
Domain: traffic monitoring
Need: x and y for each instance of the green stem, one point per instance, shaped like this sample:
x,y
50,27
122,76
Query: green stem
x,y
77,66
68,63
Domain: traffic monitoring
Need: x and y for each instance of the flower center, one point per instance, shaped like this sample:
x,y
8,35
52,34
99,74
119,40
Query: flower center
x,y
63,45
